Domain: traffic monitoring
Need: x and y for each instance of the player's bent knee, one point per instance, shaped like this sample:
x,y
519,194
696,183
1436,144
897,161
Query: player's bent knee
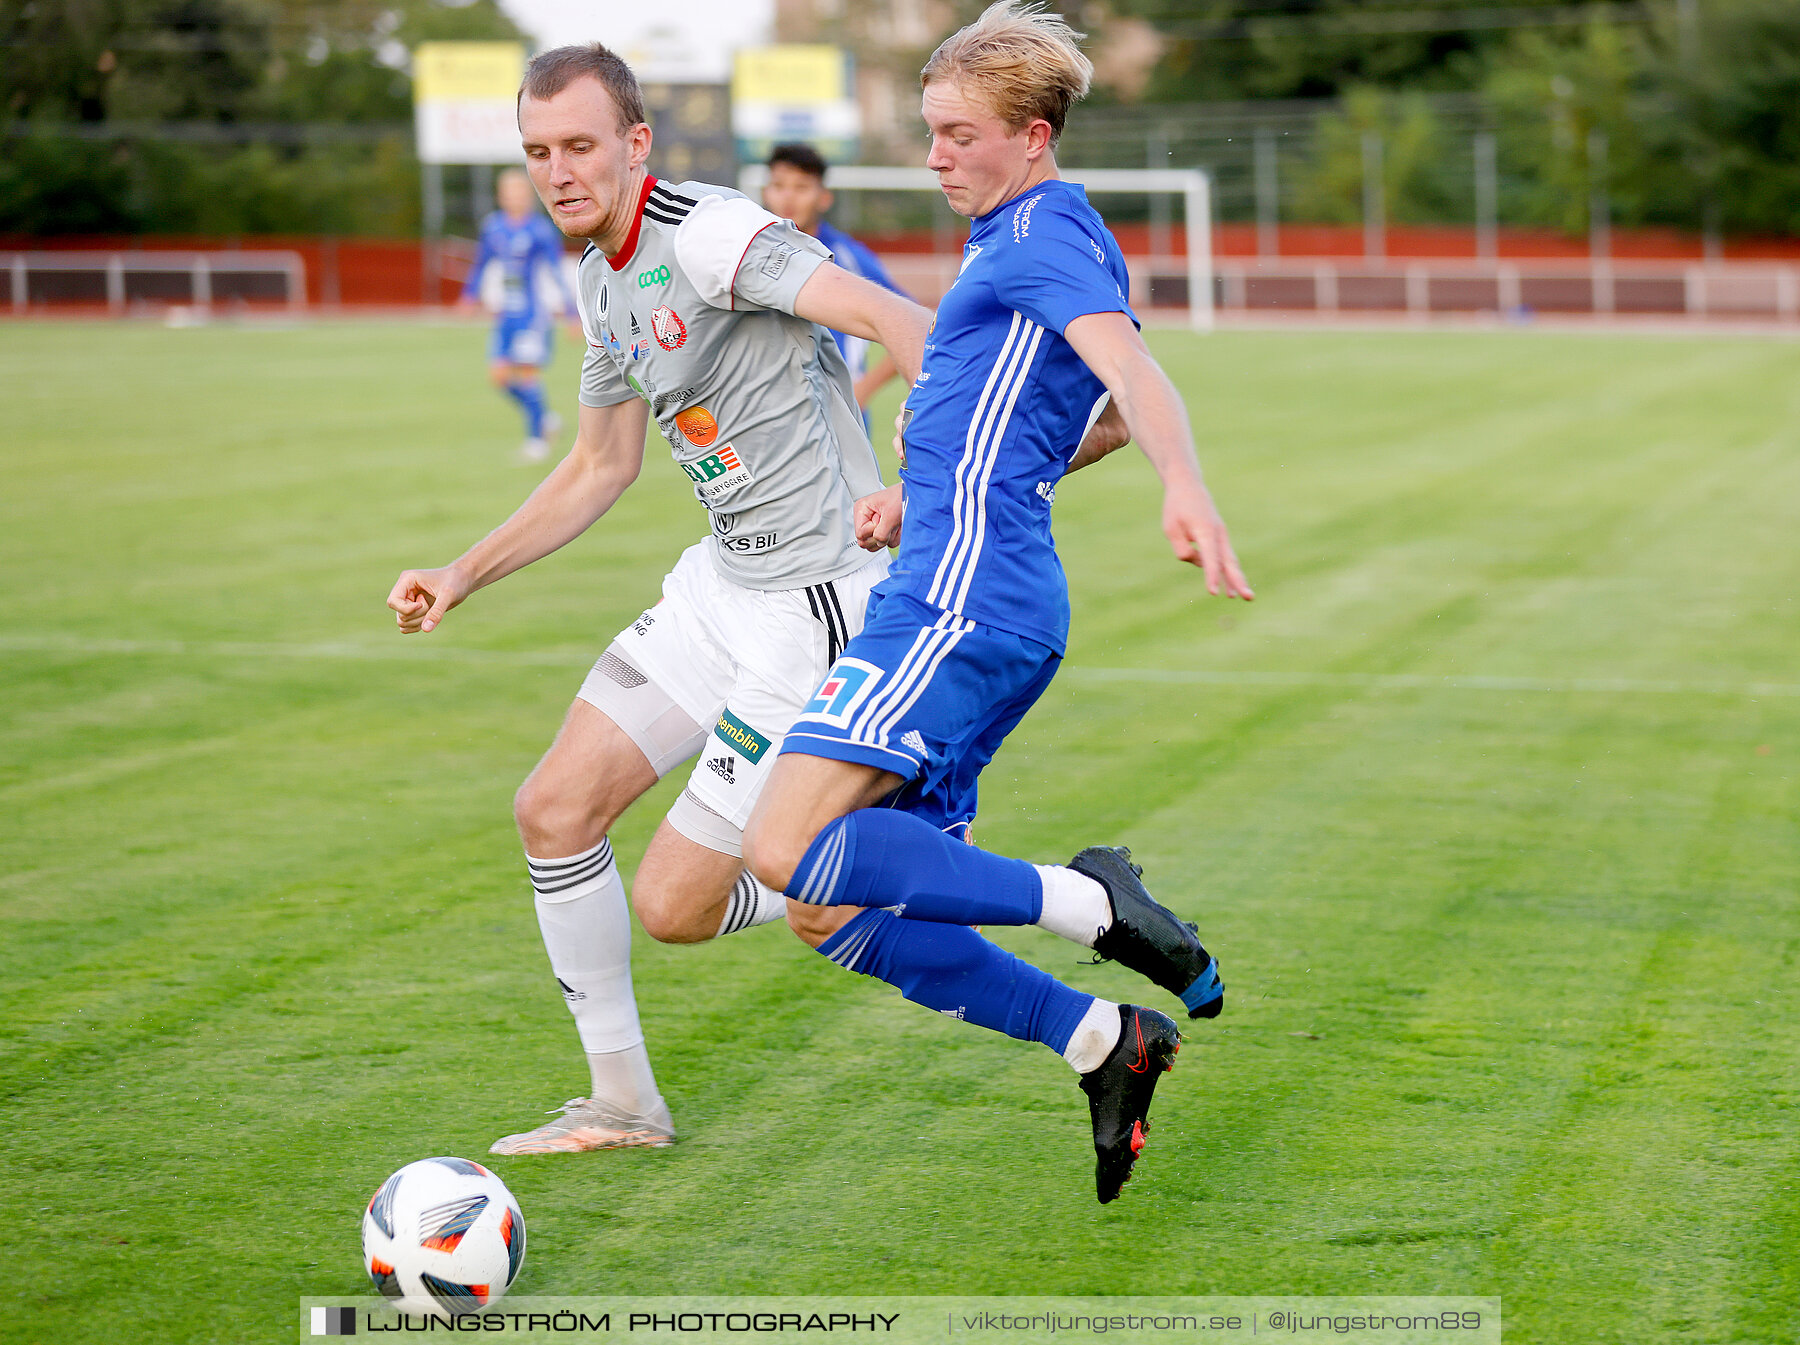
x,y
812,925
552,823
770,855
667,920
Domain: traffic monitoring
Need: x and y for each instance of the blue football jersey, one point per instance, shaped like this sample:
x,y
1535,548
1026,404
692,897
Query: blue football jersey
x,y
524,251
999,409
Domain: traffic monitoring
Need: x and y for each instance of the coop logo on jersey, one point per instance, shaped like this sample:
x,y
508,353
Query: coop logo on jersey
x,y
668,327
740,735
718,474
843,691
697,426
659,276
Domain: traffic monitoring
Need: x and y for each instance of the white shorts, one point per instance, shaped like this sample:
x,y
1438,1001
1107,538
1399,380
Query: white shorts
x,y
738,663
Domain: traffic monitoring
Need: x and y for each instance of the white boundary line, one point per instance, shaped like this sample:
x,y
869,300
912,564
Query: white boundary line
x,y
575,660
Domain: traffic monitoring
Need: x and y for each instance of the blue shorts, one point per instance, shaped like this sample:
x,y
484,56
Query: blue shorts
x,y
520,340
928,696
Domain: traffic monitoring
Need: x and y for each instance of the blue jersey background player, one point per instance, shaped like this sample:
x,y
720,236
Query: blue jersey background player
x,y
527,251
969,628
796,191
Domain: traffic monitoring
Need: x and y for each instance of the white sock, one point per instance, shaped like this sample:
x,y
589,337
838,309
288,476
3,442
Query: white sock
x,y
622,1080
1075,906
751,904
1094,1037
586,922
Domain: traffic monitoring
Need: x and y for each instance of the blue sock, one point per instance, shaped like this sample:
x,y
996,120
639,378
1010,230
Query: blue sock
x,y
530,397
954,970
880,857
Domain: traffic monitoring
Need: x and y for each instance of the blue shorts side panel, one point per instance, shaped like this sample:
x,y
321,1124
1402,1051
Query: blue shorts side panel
x,y
928,696
520,340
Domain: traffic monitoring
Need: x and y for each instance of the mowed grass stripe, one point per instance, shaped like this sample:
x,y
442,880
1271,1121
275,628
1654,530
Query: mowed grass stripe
x,y
1644,1168
53,646
1478,777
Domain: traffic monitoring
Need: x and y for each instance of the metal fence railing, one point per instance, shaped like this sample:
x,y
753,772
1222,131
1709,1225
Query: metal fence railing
x,y
120,280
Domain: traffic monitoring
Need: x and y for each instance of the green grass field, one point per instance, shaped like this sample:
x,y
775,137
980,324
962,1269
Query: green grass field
x,y
1488,805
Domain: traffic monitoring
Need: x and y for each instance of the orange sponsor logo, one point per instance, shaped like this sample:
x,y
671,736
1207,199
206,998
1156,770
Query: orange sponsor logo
x,y
698,425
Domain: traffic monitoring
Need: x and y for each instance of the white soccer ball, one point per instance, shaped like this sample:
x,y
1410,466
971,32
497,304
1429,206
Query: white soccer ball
x,y
442,1237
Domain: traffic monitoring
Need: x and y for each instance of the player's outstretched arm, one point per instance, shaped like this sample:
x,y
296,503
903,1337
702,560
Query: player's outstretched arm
x,y
1110,345
834,298
605,459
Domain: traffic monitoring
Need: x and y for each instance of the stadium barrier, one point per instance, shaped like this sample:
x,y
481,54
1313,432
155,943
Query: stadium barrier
x,y
1334,286
1421,288
114,275
120,280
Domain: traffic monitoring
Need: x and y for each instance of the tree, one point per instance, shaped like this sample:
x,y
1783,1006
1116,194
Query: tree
x,y
1247,49
1727,133
123,69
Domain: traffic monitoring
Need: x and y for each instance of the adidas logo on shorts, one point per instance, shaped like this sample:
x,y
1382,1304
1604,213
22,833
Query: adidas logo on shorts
x,y
912,739
721,767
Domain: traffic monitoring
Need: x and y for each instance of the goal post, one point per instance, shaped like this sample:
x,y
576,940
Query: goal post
x,y
1191,184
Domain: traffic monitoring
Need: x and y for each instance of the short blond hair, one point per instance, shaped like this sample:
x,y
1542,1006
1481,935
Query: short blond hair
x,y
1024,62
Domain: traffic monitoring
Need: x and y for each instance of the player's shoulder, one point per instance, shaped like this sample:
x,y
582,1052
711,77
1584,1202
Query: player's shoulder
x,y
1052,210
703,215
673,203
714,233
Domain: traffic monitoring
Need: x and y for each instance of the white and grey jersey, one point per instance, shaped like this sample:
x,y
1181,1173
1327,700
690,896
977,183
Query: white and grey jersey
x,y
695,315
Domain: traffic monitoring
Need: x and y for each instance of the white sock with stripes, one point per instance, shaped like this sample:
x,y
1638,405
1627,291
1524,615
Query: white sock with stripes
x,y
586,923
751,904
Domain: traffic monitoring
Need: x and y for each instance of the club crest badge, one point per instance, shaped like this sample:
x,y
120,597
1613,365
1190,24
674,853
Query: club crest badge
x,y
668,328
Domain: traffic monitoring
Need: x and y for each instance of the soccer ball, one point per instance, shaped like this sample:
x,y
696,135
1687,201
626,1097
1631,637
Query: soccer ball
x,y
442,1237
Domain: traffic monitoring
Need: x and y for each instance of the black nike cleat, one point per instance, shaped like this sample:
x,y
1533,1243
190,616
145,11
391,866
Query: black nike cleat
x,y
1119,1093
1147,937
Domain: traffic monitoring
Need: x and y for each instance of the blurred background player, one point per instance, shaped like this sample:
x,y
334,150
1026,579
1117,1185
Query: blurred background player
x,y
796,191
527,251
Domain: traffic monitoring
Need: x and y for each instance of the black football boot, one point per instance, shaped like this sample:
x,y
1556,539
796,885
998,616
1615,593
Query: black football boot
x,y
1119,1093
1147,937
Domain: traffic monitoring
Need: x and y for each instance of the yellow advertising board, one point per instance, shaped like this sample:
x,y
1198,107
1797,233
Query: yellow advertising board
x,y
796,91
464,101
